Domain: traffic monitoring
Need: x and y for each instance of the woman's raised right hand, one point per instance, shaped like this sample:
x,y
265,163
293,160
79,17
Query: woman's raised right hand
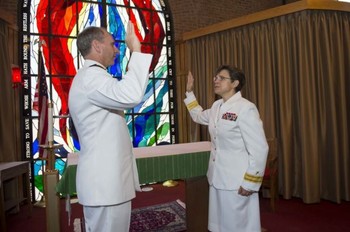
x,y
190,81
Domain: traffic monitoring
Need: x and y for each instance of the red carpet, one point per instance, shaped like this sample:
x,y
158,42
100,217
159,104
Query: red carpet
x,y
293,215
290,216
20,222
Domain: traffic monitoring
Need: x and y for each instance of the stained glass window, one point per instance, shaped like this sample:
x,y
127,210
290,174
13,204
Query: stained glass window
x,y
55,24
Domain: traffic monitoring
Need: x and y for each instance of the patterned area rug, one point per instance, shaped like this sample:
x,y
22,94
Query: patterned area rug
x,y
164,217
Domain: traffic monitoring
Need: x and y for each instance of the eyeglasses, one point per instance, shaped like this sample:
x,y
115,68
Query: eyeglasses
x,y
221,78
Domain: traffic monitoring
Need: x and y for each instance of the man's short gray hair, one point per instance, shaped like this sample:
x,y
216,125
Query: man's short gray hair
x,y
85,38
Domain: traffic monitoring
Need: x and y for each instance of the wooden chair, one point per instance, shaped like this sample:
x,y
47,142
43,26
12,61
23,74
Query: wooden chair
x,y
270,180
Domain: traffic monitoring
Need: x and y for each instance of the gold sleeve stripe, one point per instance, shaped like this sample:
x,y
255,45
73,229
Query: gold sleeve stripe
x,y
251,178
192,105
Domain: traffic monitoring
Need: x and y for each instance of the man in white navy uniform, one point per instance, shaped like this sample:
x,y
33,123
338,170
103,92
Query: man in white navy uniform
x,y
106,174
238,153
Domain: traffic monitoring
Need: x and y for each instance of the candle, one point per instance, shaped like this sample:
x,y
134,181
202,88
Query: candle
x,y
50,122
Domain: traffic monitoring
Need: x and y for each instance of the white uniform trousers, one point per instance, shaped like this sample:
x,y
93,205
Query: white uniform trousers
x,y
108,218
231,212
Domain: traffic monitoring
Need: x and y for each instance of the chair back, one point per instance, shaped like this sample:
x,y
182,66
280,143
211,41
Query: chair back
x,y
272,157
270,180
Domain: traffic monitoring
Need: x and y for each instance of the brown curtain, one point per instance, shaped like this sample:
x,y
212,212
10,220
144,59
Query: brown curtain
x,y
298,74
10,137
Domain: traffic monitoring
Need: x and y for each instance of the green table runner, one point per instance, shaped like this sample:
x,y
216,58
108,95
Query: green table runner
x,y
151,169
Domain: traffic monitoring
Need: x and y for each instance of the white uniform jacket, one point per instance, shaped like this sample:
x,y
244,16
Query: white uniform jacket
x,y
238,143
106,172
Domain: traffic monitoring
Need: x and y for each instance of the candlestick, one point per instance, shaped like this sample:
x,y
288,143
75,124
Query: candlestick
x,y
50,122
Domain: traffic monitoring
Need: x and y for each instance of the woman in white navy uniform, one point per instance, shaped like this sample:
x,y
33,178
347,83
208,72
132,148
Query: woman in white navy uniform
x,y
238,153
106,175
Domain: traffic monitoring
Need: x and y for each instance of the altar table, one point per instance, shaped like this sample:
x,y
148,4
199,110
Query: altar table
x,y
154,164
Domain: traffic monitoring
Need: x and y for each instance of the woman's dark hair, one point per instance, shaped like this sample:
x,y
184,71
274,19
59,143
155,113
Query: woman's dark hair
x,y
235,74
